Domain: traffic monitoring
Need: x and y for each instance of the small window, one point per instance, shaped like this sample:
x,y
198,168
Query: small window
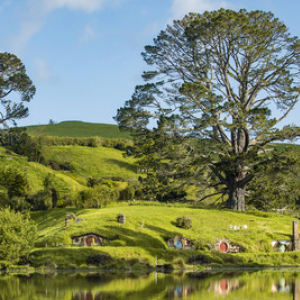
x,y
76,240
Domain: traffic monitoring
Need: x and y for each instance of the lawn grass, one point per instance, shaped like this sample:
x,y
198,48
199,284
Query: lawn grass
x,y
149,226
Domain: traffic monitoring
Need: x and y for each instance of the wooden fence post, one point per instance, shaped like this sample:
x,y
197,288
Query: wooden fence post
x,y
296,242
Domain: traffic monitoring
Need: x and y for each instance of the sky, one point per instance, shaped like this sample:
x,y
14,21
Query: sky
x,y
84,56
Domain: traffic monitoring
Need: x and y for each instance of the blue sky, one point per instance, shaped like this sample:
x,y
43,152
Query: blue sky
x,y
84,55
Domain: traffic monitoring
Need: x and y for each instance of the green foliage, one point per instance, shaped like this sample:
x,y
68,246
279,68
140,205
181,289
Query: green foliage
x,y
17,236
128,193
213,81
15,186
184,222
14,80
17,140
98,196
276,184
98,259
42,200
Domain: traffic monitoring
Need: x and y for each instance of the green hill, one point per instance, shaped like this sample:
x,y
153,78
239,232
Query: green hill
x,y
148,227
82,162
77,129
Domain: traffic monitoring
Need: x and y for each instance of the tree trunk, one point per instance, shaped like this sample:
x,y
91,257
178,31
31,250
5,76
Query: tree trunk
x,y
237,191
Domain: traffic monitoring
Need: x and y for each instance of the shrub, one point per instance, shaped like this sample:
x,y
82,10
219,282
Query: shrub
x,y
184,222
128,193
42,200
199,259
17,237
72,200
61,203
98,259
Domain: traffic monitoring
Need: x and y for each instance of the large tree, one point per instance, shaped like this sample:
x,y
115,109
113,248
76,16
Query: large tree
x,y
224,77
16,88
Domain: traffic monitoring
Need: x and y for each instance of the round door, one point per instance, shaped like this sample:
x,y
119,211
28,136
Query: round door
x,y
223,285
223,247
281,248
89,240
178,244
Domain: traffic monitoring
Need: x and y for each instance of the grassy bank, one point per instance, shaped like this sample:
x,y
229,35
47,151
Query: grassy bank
x,y
146,232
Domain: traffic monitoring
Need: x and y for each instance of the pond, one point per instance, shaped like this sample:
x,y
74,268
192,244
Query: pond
x,y
238,285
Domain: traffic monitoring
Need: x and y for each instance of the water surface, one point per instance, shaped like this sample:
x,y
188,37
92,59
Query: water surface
x,y
101,286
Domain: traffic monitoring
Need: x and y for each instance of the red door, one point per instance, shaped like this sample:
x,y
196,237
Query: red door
x,y
223,247
89,240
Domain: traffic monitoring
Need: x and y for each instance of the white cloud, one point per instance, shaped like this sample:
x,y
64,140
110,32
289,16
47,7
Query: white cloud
x,y
35,15
85,5
27,30
181,7
42,71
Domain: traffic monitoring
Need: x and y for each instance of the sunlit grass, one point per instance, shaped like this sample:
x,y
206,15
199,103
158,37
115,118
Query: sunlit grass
x,y
148,228
92,162
77,129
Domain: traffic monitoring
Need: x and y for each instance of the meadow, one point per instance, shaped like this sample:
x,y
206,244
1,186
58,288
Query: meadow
x,y
148,227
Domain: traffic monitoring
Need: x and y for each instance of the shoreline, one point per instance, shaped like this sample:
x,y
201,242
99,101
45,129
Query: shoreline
x,y
32,270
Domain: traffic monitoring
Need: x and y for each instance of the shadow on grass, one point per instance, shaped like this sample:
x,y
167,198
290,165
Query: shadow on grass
x,y
165,234
289,236
140,239
122,164
45,218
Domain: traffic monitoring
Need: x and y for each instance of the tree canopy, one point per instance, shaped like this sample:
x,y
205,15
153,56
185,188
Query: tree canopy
x,y
17,236
225,78
14,84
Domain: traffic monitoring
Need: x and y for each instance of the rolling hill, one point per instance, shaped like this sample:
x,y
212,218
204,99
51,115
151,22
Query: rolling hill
x,y
77,129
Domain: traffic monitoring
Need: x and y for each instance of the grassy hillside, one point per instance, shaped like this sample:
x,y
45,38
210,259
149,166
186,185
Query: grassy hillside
x,y
35,173
84,162
77,129
149,226
92,162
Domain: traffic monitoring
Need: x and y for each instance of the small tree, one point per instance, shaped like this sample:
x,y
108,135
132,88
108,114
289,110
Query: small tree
x,y
13,80
17,140
17,236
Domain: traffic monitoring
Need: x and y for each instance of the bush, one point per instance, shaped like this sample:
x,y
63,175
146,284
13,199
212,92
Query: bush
x,y
42,200
98,259
199,259
17,237
61,203
184,222
98,196
72,200
128,193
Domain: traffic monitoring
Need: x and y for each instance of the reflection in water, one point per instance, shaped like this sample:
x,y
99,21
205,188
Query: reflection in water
x,y
90,296
180,291
224,286
281,286
205,285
